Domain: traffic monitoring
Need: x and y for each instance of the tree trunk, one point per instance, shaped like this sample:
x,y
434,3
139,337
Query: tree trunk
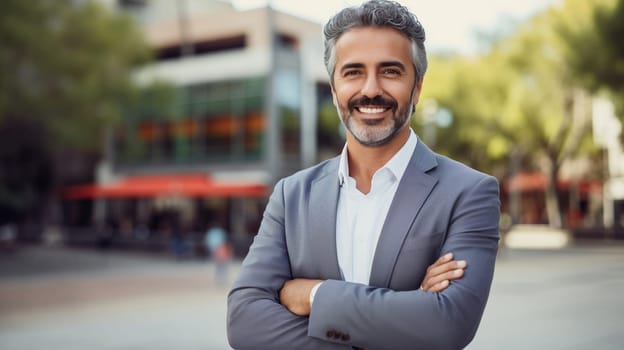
x,y
553,208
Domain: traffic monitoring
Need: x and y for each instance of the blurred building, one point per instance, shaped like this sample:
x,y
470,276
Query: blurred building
x,y
607,130
247,90
591,195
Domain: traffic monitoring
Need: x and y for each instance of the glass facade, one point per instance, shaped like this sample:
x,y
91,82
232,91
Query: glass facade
x,y
213,122
288,99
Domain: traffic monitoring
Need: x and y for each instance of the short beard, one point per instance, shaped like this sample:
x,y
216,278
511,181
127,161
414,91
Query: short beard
x,y
366,139
400,120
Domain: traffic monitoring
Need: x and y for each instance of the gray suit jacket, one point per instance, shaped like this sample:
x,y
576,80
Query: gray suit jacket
x,y
440,206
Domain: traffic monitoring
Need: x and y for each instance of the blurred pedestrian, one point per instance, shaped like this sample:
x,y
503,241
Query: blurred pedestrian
x,y
220,252
179,243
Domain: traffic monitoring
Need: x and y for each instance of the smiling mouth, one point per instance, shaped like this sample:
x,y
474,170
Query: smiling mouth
x,y
372,110
372,107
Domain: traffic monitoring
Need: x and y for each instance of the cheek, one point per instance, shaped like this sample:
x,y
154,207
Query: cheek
x,y
339,98
343,92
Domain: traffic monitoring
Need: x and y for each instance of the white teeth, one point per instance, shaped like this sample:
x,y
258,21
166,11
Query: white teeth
x,y
370,110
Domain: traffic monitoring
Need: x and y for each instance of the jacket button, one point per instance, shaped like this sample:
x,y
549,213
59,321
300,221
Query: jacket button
x,y
337,335
345,337
330,334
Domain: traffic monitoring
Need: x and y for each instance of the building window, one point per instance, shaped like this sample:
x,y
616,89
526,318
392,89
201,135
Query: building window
x,y
221,122
202,47
132,4
286,41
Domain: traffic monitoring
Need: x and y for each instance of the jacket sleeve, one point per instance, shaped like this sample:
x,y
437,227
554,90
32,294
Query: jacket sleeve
x,y
255,317
378,318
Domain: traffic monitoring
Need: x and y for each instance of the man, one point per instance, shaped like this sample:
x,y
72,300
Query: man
x,y
389,246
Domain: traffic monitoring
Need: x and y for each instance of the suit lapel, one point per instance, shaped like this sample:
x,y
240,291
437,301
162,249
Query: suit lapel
x,y
411,194
322,220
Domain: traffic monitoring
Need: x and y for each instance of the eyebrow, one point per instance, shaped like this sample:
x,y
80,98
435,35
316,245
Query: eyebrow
x,y
381,65
351,66
392,64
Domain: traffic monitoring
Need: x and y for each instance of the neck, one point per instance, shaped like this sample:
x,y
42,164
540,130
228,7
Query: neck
x,y
364,161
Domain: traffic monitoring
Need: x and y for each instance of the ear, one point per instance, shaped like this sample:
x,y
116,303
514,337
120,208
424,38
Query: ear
x,y
333,92
417,90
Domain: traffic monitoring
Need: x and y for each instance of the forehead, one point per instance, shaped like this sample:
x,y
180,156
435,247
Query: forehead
x,y
368,45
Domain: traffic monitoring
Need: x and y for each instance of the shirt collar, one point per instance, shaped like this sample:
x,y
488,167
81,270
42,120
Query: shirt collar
x,y
397,164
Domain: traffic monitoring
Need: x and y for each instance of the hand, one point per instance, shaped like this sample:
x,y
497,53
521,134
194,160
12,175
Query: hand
x,y
295,295
442,272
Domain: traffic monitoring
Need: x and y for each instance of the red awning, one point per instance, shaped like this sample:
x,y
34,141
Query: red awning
x,y
186,185
526,182
536,182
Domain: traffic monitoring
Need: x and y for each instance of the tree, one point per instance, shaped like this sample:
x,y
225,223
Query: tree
x,y
65,72
474,90
520,99
593,46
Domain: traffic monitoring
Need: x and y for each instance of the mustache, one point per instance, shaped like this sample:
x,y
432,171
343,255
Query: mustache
x,y
375,101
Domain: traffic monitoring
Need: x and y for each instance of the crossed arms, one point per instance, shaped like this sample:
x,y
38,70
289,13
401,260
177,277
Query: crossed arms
x,y
295,294
267,307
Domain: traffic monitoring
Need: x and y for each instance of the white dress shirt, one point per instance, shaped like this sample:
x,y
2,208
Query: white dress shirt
x,y
361,217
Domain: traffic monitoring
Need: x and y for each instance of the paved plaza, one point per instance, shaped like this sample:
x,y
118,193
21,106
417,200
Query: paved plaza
x,y
59,298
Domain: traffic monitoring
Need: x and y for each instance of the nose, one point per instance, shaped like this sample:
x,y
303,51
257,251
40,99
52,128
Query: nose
x,y
371,87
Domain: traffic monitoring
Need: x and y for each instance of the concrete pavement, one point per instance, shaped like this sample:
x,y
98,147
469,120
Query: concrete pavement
x,y
570,299
76,299
57,298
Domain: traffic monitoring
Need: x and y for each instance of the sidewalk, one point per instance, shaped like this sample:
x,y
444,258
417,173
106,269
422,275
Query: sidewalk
x,y
565,299
571,298
86,299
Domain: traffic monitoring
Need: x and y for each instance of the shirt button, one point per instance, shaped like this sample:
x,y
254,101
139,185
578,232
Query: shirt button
x,y
330,334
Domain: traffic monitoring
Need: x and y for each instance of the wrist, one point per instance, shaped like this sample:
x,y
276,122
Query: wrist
x,y
313,292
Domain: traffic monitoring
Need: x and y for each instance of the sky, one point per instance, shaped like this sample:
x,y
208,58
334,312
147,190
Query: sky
x,y
449,24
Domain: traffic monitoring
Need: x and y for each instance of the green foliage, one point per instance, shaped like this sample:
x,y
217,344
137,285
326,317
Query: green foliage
x,y
591,34
65,72
530,93
66,65
523,94
475,91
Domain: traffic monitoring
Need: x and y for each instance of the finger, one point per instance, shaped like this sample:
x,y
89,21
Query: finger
x,y
432,282
438,287
435,280
448,266
433,272
443,259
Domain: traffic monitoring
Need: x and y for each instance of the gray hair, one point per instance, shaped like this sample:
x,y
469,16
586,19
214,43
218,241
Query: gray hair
x,y
379,13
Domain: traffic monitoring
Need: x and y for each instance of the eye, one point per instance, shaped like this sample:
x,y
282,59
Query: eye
x,y
351,73
392,72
